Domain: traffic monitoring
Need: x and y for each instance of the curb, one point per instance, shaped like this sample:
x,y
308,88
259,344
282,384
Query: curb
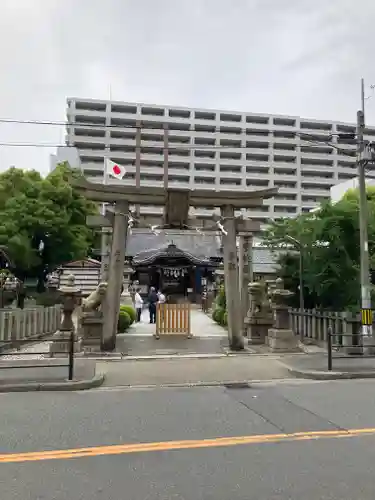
x,y
170,357
163,357
242,384
230,385
78,385
326,375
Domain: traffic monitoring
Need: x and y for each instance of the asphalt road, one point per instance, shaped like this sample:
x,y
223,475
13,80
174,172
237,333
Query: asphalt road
x,y
301,449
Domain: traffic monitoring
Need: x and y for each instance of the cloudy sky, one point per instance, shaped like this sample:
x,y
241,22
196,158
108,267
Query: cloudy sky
x,y
296,57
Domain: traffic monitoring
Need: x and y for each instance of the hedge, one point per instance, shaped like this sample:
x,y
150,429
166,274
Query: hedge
x,y
124,321
131,311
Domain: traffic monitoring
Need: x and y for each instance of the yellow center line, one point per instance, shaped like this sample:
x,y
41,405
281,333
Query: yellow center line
x,y
179,445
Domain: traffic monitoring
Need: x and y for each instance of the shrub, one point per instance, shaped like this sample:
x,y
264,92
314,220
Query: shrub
x,y
47,299
225,319
218,315
131,311
124,322
221,300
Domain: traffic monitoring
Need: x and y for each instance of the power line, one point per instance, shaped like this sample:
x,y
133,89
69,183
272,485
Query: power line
x,y
189,147
192,128
180,147
309,138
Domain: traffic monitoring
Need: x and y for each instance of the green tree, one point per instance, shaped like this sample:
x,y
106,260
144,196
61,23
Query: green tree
x,y
43,220
329,242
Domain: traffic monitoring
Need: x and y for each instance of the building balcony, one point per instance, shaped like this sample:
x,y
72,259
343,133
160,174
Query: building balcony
x,y
315,191
284,202
230,175
316,180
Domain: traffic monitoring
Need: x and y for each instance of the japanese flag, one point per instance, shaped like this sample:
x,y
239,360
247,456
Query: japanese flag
x,y
114,169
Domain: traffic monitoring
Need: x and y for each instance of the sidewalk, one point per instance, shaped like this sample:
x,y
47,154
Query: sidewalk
x,y
16,373
170,372
315,366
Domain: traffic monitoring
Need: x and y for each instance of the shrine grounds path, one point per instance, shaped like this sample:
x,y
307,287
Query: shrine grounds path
x,y
281,440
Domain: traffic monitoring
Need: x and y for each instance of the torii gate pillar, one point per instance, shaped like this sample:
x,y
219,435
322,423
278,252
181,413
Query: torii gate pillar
x,y
115,275
232,291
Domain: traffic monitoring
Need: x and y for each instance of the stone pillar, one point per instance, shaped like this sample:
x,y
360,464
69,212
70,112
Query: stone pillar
x,y
105,254
236,339
352,339
281,337
115,275
240,266
244,275
92,331
71,298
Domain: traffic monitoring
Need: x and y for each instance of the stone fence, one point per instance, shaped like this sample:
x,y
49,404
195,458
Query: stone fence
x,y
22,324
315,324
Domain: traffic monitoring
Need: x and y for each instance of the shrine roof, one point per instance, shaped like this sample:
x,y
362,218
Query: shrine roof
x,y
201,246
171,251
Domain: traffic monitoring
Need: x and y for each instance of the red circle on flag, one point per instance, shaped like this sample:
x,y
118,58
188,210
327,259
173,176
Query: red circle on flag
x,y
116,170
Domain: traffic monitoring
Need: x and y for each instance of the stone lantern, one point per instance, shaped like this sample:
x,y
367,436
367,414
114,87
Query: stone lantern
x,y
259,317
281,337
128,293
71,299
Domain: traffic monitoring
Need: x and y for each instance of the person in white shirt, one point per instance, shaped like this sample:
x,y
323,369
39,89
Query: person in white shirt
x,y
161,300
161,297
138,304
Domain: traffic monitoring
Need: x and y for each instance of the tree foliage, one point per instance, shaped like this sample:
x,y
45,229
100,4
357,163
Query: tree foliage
x,y
329,242
34,209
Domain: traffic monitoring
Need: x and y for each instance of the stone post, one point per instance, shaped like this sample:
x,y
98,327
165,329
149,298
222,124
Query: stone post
x,y
115,275
281,337
71,298
105,254
352,340
244,274
259,317
236,340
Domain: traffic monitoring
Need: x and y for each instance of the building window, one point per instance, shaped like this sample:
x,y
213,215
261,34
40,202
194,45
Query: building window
x,y
204,180
179,113
204,115
123,108
262,120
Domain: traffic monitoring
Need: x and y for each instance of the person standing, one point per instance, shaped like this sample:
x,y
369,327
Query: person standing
x,y
21,294
161,297
138,303
152,301
161,300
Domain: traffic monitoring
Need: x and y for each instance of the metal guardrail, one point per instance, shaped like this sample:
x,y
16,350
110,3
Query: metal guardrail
x,y
69,365
359,349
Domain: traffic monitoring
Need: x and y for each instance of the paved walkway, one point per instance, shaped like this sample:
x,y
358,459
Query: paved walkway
x,y
202,325
208,338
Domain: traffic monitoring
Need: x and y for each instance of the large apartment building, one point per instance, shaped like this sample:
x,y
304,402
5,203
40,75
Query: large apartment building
x,y
201,148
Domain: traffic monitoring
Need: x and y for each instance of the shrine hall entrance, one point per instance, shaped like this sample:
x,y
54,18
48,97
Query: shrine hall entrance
x,y
173,280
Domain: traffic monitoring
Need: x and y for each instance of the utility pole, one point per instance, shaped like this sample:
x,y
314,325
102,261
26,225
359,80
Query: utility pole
x,y
363,212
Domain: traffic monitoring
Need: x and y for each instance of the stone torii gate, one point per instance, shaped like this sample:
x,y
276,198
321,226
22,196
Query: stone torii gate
x,y
176,204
